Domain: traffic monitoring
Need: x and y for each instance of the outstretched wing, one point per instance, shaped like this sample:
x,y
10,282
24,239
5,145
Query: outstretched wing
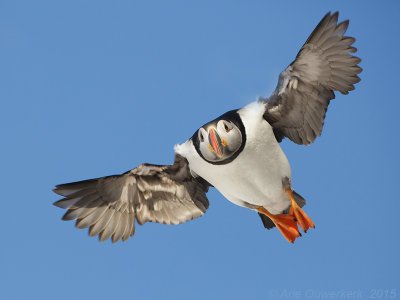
x,y
324,64
109,205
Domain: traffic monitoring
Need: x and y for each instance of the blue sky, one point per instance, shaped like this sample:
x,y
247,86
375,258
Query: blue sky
x,y
93,88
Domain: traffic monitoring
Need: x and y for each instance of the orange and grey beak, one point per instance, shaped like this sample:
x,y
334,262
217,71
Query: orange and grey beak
x,y
215,142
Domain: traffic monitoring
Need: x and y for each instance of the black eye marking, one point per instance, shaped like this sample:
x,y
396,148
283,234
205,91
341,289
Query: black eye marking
x,y
201,137
226,128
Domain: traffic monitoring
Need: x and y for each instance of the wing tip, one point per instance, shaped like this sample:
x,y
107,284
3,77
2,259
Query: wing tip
x,y
57,191
58,203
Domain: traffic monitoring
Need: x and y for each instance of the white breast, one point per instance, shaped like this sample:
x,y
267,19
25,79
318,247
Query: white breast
x,y
255,175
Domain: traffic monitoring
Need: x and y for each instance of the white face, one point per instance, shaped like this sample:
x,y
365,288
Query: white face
x,y
220,142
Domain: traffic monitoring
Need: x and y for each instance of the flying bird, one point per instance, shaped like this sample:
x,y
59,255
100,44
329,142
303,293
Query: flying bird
x,y
238,153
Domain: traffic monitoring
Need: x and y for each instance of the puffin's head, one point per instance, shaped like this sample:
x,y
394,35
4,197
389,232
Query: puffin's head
x,y
220,140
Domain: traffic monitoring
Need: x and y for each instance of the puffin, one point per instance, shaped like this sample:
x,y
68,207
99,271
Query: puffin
x,y
238,153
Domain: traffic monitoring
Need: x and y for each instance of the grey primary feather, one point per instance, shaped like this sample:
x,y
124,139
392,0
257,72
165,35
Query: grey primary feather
x,y
149,193
323,65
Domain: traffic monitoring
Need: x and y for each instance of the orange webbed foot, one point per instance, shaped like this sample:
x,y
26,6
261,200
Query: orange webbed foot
x,y
295,211
285,223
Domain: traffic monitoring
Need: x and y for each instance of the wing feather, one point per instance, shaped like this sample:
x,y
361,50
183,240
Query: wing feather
x,y
110,205
323,65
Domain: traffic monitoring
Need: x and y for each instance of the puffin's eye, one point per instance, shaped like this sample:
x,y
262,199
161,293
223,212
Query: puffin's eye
x,y
201,137
226,128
